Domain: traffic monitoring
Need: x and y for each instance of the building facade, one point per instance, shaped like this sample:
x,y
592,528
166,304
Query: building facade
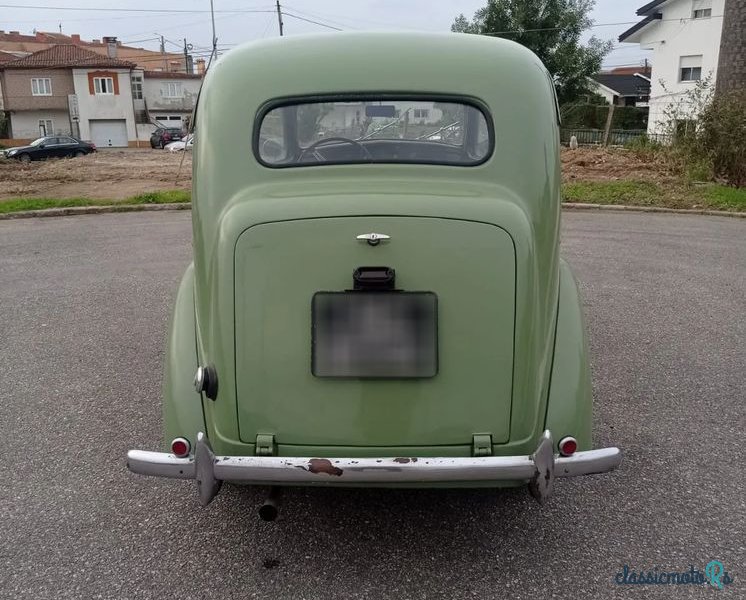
x,y
684,36
622,89
70,90
168,99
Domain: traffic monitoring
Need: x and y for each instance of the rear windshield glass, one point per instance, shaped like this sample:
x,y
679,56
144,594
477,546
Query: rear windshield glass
x,y
374,131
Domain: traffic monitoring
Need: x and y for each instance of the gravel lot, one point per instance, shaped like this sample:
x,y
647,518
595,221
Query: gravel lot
x,y
86,301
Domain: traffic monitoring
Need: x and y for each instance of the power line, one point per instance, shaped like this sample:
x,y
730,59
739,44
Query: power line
x,y
135,10
287,14
336,19
320,17
140,41
594,25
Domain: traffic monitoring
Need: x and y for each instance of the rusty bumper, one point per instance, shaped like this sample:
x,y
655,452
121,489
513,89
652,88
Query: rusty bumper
x,y
538,469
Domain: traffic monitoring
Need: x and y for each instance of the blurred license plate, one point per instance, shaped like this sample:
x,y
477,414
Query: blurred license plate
x,y
375,334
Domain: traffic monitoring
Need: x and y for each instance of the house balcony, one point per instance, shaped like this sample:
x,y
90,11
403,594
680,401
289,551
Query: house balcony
x,y
20,103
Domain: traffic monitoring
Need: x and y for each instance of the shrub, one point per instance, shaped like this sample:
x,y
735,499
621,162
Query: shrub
x,y
709,134
644,148
722,136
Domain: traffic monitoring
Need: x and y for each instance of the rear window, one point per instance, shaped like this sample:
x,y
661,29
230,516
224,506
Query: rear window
x,y
374,130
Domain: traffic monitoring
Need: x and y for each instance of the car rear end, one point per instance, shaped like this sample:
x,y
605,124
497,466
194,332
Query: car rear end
x,y
364,316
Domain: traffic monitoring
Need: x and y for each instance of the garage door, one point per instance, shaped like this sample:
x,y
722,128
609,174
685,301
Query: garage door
x,y
169,120
108,133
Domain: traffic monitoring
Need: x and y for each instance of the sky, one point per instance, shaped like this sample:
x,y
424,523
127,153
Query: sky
x,y
139,23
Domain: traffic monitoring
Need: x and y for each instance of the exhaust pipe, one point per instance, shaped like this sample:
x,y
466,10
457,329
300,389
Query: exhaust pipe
x,y
271,507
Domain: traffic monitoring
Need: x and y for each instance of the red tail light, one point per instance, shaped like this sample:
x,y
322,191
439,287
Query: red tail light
x,y
568,446
93,145
180,447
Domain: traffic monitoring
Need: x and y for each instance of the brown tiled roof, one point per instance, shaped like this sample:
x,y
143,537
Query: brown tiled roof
x,y
66,55
15,36
170,75
6,56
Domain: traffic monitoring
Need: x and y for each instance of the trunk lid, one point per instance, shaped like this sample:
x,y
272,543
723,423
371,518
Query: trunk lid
x,y
279,266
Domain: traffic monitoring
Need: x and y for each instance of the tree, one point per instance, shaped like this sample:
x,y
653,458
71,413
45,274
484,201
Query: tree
x,y
552,30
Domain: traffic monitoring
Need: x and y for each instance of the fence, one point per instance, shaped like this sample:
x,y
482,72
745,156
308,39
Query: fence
x,y
617,137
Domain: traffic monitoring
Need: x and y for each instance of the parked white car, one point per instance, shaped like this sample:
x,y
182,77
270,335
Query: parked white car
x,y
185,143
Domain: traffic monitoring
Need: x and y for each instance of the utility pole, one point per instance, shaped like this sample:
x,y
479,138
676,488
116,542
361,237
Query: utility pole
x,y
279,16
188,66
214,37
163,53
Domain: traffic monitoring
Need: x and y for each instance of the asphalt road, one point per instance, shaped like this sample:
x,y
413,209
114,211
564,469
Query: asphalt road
x,y
85,302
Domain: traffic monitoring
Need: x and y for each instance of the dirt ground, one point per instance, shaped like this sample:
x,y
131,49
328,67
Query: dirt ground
x,y
610,164
119,174
107,174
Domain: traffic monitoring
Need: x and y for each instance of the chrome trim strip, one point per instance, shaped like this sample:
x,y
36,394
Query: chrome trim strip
x,y
160,464
539,469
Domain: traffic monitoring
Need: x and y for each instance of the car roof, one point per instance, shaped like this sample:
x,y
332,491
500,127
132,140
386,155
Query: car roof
x,y
446,63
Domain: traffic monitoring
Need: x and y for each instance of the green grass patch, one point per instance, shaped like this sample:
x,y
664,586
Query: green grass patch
x,y
612,192
710,196
163,197
725,197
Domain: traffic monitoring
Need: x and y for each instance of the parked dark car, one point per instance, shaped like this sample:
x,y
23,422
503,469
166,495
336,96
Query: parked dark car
x,y
62,146
164,135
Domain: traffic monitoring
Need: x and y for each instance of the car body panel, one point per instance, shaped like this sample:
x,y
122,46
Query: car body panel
x,y
276,276
182,406
185,143
570,406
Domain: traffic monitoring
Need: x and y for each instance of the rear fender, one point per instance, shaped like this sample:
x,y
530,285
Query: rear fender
x,y
182,405
570,406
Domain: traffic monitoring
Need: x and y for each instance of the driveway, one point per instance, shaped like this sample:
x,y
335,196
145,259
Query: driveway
x,y
85,304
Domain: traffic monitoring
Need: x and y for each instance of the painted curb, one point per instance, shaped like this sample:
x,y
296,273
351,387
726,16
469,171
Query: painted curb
x,y
93,210
653,209
117,208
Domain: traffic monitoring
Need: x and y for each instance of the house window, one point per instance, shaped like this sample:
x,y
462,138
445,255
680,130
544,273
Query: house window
x,y
702,13
41,87
172,89
421,113
45,127
137,87
103,85
690,68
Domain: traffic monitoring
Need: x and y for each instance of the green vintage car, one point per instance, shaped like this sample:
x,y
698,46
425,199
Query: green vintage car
x,y
377,296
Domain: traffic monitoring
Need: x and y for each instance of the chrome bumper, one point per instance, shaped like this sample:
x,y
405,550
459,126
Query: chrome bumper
x,y
538,469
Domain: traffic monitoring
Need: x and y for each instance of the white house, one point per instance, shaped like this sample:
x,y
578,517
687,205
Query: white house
x,y
104,99
164,99
684,36
622,89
